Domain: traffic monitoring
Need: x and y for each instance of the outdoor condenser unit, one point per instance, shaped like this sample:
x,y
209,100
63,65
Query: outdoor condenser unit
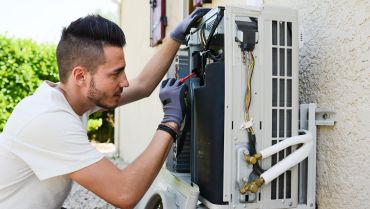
x,y
242,145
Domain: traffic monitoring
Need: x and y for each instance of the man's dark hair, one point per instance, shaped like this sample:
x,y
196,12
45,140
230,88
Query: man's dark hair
x,y
82,42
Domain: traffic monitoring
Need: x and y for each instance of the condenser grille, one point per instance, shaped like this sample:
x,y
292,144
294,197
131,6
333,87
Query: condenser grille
x,y
281,188
180,163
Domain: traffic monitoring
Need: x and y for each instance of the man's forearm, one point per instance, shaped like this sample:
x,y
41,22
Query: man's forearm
x,y
140,174
154,71
158,65
124,188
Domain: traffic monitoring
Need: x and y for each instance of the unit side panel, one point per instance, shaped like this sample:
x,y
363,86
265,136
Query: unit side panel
x,y
281,67
274,104
236,138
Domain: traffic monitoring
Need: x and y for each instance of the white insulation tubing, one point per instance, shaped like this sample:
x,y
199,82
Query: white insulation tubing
x,y
293,159
286,143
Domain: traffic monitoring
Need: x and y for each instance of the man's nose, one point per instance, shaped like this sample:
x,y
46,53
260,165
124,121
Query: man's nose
x,y
124,81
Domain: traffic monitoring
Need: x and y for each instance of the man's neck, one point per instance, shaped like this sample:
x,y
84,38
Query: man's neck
x,y
79,103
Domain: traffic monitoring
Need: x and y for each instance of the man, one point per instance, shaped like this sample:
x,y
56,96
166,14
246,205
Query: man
x,y
44,145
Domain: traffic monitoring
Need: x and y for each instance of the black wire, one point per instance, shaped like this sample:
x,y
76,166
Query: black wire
x,y
252,144
257,169
214,26
215,58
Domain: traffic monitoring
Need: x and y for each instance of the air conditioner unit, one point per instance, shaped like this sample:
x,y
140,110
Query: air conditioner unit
x,y
241,144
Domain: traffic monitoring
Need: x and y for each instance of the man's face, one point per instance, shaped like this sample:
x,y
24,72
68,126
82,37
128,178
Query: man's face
x,y
107,82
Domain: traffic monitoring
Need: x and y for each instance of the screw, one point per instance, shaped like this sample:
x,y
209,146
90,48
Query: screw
x,y
311,205
325,116
290,204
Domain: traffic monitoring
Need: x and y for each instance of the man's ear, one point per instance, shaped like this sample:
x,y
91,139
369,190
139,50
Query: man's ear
x,y
79,74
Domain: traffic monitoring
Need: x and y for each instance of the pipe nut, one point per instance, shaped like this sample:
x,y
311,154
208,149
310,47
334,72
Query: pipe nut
x,y
253,159
250,159
253,188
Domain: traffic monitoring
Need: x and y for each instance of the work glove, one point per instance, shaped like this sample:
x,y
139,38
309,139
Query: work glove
x,y
182,29
171,95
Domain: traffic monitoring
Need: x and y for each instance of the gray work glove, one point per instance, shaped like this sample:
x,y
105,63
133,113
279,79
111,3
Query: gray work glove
x,y
182,29
172,97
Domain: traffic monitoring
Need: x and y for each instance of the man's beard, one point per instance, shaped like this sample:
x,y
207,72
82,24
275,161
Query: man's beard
x,y
96,96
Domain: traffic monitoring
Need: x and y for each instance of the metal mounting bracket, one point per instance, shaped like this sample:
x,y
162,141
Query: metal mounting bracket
x,y
325,117
310,118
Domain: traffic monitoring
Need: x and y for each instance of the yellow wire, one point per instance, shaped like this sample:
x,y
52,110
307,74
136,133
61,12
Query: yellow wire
x,y
247,98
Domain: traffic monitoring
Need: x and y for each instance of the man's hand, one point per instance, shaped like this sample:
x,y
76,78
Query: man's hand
x,y
171,95
181,30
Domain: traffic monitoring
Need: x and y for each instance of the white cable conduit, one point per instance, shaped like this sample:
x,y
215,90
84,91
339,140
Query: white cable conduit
x,y
291,160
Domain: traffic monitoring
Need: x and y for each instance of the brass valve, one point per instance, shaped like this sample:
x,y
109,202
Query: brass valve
x,y
253,159
252,186
248,186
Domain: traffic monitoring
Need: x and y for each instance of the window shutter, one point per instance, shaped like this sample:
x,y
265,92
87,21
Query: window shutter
x,y
199,3
158,21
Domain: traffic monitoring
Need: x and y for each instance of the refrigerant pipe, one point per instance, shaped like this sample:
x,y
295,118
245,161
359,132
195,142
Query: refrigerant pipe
x,y
291,160
301,139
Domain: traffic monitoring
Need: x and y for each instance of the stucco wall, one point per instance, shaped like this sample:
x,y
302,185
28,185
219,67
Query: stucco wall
x,y
334,72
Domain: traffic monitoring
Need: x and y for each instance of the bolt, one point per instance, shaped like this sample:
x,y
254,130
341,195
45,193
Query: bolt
x,y
290,204
325,116
311,205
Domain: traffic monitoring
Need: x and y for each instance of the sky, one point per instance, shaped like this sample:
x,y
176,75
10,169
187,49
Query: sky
x,y
43,20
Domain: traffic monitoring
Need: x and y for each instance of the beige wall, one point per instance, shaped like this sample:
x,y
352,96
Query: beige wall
x,y
334,72
138,121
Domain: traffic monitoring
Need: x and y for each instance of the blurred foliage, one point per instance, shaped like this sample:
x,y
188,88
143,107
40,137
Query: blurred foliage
x,y
94,124
24,64
101,126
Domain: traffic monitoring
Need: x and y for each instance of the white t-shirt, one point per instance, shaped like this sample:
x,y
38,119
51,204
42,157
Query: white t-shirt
x,y
42,141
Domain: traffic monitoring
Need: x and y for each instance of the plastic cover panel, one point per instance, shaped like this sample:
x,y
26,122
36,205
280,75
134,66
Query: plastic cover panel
x,y
209,123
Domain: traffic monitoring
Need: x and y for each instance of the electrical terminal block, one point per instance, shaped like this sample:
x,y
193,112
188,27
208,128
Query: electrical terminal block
x,y
246,124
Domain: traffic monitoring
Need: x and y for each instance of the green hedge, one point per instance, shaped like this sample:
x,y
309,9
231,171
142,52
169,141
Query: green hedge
x,y
24,64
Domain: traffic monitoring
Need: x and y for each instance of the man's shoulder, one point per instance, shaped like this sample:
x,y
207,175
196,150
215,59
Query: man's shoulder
x,y
39,114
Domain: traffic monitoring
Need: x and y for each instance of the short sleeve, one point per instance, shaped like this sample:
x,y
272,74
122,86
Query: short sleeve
x,y
55,143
